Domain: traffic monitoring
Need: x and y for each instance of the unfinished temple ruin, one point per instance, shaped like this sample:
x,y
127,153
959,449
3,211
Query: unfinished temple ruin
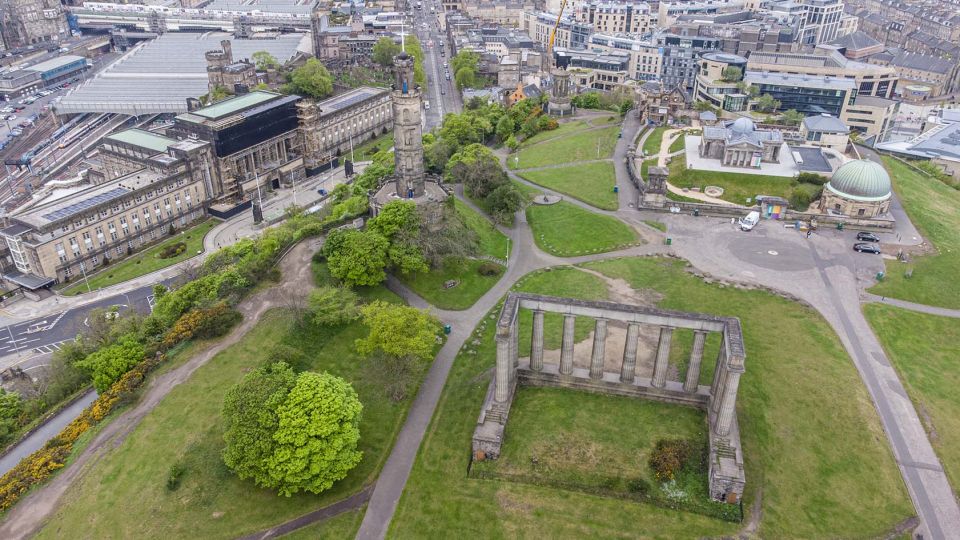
x,y
726,475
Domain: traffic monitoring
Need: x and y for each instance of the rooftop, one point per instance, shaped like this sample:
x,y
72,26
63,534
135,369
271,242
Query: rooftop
x,y
143,139
825,124
235,104
805,81
55,63
922,62
43,214
347,99
159,75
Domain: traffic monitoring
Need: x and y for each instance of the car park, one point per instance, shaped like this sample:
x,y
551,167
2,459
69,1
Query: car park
x,y
864,236
864,247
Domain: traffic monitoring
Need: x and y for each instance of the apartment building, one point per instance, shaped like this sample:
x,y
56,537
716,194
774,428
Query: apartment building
x,y
592,70
74,231
28,22
571,33
680,58
645,59
629,16
939,74
821,21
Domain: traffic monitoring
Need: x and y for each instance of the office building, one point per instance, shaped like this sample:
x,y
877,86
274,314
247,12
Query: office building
x,y
713,85
821,22
256,142
570,34
645,59
869,79
809,94
681,56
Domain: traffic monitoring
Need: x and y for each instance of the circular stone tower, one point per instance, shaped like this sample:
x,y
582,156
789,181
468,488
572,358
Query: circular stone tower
x,y
559,102
407,130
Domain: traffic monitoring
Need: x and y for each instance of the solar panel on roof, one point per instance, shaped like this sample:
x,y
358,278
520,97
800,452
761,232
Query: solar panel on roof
x,y
78,207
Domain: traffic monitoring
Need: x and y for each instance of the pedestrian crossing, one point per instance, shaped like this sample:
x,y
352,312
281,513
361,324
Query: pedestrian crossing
x,y
50,347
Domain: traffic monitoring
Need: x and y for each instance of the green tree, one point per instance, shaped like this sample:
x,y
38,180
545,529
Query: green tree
x,y
731,74
398,330
396,217
465,78
703,106
792,117
264,60
108,364
317,435
11,406
332,306
250,421
461,129
505,201
512,143
478,168
767,103
356,257
312,79
465,59
505,128
412,46
384,50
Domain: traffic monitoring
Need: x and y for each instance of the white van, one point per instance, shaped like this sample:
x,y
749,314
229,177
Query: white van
x,y
749,222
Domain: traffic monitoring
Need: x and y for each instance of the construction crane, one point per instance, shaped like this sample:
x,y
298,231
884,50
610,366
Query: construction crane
x,y
553,33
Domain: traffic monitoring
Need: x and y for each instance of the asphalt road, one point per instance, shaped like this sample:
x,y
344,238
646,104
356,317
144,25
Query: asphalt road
x,y
440,93
28,344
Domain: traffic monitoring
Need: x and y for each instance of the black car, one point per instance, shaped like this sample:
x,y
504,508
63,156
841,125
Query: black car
x,y
867,237
864,247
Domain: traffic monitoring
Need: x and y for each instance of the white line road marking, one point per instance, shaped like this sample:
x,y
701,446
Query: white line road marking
x,y
55,321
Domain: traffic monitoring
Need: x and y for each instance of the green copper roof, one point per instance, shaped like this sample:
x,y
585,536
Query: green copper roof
x,y
145,139
232,105
861,180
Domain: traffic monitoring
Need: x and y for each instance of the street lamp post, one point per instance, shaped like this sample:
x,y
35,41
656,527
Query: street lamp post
x,y
83,269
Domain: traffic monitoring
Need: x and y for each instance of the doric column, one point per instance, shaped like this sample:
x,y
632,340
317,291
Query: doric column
x,y
515,340
566,348
599,341
628,368
504,367
693,368
719,376
663,358
728,404
536,342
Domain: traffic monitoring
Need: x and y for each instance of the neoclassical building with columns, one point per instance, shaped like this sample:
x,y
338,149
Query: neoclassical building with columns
x,y
718,400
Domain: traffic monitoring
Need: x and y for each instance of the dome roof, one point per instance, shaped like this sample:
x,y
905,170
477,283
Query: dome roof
x,y
861,180
742,125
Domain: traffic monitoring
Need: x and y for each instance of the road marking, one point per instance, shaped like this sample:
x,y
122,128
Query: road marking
x,y
55,321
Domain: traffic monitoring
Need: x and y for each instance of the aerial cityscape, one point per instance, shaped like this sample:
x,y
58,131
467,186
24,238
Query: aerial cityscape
x,y
479,268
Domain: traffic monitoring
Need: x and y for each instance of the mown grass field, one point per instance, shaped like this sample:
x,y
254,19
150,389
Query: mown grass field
x,y
591,183
737,188
813,443
146,261
567,230
125,495
923,348
934,208
576,146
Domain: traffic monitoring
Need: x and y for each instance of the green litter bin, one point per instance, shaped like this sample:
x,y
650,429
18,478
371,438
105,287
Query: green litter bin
x,y
840,226
447,329
669,241
880,276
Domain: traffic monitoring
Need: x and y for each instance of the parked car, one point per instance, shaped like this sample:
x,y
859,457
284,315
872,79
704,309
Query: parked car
x,y
12,117
865,247
864,236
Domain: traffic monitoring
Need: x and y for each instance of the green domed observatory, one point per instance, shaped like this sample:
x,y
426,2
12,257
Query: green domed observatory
x,y
859,188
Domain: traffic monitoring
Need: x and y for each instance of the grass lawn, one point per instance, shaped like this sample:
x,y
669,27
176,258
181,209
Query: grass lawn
x,y
651,146
934,208
564,281
492,241
343,526
677,144
737,188
592,183
146,261
124,494
470,288
923,348
564,128
566,230
577,146
367,150
812,438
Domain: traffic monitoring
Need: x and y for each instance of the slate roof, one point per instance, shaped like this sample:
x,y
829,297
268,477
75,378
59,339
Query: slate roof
x,y
737,132
922,62
825,124
855,41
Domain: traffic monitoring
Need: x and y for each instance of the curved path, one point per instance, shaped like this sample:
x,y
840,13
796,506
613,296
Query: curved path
x,y
912,306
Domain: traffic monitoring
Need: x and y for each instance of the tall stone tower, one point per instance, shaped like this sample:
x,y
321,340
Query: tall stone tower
x,y
407,130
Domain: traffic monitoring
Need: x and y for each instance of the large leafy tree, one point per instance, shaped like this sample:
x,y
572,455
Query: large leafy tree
x,y
11,405
792,117
465,78
357,257
332,306
291,432
250,420
461,129
312,79
767,103
108,364
478,168
398,331
384,50
264,60
399,222
317,434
